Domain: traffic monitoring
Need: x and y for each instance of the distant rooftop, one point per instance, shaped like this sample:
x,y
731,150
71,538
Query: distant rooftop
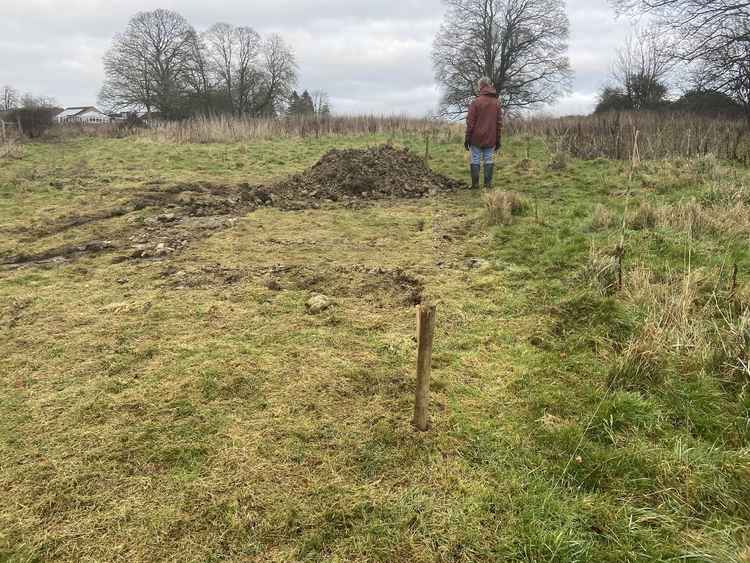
x,y
73,111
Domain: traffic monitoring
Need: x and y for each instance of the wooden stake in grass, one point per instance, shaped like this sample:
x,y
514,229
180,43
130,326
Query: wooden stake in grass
x,y
425,333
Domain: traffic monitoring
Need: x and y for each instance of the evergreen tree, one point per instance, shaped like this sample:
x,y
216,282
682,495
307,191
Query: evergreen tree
x,y
294,104
306,104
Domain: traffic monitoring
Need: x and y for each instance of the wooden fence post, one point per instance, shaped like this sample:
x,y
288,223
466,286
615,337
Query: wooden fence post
x,y
425,333
2,127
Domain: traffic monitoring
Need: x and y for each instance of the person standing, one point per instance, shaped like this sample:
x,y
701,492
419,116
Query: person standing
x,y
484,124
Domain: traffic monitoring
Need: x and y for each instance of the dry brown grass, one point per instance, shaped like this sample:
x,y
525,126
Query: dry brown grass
x,y
692,318
661,135
602,218
674,315
701,220
502,206
645,216
673,323
558,162
601,271
227,129
11,150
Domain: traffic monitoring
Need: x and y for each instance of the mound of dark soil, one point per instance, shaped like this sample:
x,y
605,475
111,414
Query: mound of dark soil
x,y
373,173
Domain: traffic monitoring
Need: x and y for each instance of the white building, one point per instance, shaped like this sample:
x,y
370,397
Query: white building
x,y
87,114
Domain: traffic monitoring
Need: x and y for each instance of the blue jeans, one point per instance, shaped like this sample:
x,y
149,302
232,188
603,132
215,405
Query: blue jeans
x,y
477,154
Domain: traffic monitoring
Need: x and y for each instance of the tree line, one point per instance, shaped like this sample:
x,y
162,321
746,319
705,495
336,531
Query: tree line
x,y
643,71
160,63
31,114
521,45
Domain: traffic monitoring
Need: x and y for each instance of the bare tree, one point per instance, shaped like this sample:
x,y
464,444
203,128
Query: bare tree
x,y
30,101
726,71
160,63
233,55
711,36
279,75
8,98
321,103
520,44
219,46
149,64
198,79
697,27
641,69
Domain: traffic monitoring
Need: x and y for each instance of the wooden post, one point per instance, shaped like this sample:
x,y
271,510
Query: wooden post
x,y
2,127
425,332
427,148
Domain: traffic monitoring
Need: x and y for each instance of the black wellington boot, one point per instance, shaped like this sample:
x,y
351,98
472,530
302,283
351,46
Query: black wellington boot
x,y
489,170
475,176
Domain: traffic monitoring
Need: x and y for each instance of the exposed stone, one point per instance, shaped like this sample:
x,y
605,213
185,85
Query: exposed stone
x,y
476,264
318,303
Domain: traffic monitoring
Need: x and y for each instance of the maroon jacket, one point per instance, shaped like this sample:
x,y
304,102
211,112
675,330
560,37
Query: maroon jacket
x,y
484,122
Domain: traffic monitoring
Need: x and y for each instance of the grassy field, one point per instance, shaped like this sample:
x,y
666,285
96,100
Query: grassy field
x,y
184,408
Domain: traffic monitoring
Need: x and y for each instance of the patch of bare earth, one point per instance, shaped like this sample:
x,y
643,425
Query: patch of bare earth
x,y
385,286
161,221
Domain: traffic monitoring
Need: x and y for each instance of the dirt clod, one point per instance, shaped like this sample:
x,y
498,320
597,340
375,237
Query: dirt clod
x,y
270,282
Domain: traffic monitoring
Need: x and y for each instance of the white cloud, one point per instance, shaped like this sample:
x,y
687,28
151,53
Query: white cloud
x,y
575,103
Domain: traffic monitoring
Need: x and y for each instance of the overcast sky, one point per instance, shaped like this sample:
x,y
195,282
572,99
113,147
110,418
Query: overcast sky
x,y
371,56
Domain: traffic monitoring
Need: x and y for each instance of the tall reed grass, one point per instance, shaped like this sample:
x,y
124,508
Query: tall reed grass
x,y
661,135
227,129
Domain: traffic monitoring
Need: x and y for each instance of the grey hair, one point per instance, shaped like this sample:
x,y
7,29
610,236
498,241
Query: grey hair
x,y
484,81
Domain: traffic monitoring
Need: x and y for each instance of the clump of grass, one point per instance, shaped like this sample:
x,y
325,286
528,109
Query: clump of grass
x,y
524,165
726,194
671,304
674,322
502,206
591,319
11,150
644,217
558,162
701,219
602,218
639,367
731,354
601,272
705,166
